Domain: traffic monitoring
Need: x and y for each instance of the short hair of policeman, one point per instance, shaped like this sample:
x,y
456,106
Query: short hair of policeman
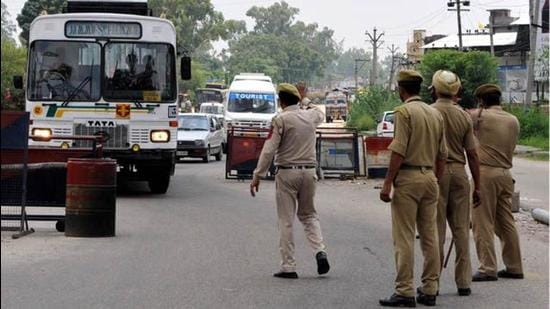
x,y
288,99
411,87
490,99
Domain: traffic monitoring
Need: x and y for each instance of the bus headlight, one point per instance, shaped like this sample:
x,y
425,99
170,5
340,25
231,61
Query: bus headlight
x,y
199,142
41,134
160,136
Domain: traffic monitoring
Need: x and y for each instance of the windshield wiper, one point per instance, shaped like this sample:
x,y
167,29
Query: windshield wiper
x,y
199,129
76,90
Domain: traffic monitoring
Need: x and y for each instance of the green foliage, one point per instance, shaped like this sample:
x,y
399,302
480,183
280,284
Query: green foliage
x,y
532,122
474,68
32,9
370,105
8,28
280,47
534,126
13,63
197,23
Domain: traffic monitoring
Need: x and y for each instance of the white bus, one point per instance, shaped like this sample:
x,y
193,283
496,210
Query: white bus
x,y
94,72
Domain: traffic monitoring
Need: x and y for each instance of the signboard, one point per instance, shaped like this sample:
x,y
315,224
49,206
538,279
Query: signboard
x,y
101,29
251,96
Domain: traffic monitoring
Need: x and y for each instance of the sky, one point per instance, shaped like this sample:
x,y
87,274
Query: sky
x,y
350,19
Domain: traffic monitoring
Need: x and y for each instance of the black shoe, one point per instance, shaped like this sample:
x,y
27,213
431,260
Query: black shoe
x,y
478,277
290,275
505,274
425,299
322,263
398,301
464,292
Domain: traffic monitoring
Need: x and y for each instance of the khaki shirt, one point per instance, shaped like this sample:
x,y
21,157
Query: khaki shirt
x,y
497,133
291,140
419,133
459,130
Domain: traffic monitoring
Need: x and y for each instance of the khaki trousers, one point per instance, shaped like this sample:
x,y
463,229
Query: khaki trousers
x,y
295,194
414,202
454,207
494,216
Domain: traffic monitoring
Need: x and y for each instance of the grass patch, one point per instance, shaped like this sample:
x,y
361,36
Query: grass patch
x,y
535,156
539,142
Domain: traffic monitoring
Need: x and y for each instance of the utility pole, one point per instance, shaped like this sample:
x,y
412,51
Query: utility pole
x,y
376,43
458,9
491,31
534,11
392,50
357,70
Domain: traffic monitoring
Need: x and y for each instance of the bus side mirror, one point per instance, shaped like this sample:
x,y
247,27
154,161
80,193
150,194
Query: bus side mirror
x,y
18,82
185,68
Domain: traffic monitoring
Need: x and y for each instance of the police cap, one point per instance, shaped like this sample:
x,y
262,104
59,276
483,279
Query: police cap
x,y
487,89
409,76
290,89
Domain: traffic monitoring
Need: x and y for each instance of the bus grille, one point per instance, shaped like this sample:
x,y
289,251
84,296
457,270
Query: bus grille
x,y
118,136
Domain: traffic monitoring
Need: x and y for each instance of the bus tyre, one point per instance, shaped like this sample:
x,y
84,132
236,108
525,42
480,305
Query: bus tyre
x,y
159,184
219,155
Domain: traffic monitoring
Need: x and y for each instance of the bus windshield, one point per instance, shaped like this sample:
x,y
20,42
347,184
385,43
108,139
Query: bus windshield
x,y
139,72
62,70
240,102
204,95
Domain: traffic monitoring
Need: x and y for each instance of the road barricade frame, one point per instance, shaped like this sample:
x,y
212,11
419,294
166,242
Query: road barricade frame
x,y
244,146
346,161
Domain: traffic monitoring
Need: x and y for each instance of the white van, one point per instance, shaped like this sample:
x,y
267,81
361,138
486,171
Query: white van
x,y
251,101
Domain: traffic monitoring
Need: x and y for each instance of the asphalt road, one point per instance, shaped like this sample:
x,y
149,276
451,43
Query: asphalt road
x,y
531,182
208,244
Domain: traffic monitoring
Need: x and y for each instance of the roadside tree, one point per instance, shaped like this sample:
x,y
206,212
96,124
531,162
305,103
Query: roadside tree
x,y
369,105
474,68
13,63
281,47
31,10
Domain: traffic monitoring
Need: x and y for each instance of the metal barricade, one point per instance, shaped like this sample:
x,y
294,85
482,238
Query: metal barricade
x,y
34,176
244,145
338,152
378,156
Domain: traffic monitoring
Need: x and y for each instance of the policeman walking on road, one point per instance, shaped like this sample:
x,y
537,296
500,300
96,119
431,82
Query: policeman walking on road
x,y
292,143
497,132
454,186
419,142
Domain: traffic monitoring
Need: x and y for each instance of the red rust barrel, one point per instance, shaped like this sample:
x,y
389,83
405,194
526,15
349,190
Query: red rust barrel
x,y
91,197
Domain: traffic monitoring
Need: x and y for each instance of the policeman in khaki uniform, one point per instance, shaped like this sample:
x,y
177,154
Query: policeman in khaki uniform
x,y
419,144
292,143
454,186
497,132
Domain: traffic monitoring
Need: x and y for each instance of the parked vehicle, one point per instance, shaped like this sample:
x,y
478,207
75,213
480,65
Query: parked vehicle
x,y
199,136
385,127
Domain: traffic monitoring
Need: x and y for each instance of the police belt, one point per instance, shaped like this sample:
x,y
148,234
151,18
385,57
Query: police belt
x,y
295,167
414,167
